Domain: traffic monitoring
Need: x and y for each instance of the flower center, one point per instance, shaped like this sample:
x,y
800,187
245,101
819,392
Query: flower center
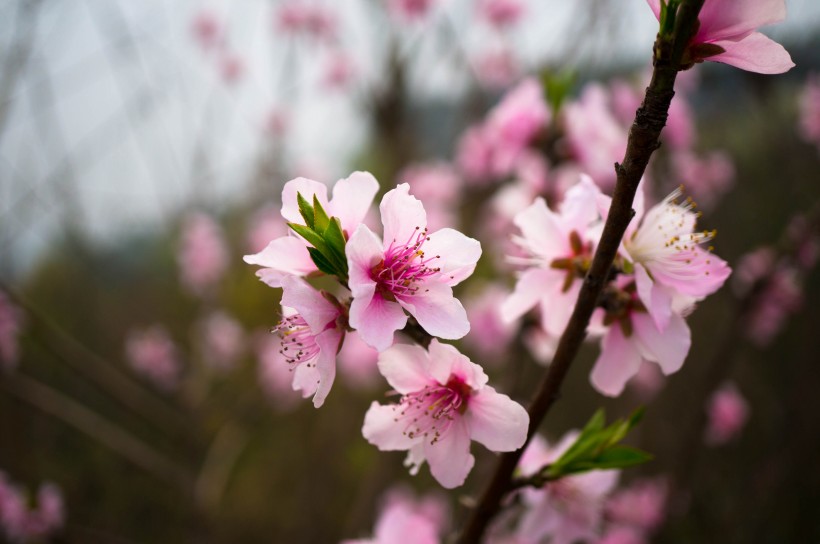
x,y
430,411
298,342
404,267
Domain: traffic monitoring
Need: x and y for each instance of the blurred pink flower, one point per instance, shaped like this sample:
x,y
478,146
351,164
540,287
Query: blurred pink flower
x,y
265,225
445,404
727,34
728,412
11,322
706,178
641,505
779,298
409,10
569,509
809,102
207,29
357,363
489,333
752,267
438,186
203,257
520,116
277,123
339,70
231,68
275,375
648,381
679,132
496,68
411,270
152,353
501,13
311,19
222,338
406,520
23,523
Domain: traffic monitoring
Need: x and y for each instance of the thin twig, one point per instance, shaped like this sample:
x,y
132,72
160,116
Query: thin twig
x,y
643,141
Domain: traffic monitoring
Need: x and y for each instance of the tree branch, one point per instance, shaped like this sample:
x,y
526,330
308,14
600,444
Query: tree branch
x,y
643,141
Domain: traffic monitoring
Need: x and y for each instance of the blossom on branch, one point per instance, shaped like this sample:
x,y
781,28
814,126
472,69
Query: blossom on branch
x,y
445,403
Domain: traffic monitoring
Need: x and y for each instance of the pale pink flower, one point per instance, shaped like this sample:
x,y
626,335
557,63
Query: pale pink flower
x,y
274,373
339,70
625,99
231,68
445,404
312,19
679,132
501,13
265,225
809,103
728,412
496,68
648,381
222,340
727,34
203,256
411,269
207,28
152,353
641,505
595,137
474,155
568,509
11,322
779,297
23,523
557,246
437,185
409,10
490,334
752,267
288,255
357,363
406,520
312,331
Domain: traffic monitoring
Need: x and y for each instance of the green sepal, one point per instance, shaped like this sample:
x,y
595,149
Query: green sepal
x,y
321,263
320,217
335,238
312,237
305,209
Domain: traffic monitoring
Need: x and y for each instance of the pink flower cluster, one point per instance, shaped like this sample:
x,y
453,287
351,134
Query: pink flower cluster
x,y
728,412
11,321
152,354
21,522
662,270
405,519
203,256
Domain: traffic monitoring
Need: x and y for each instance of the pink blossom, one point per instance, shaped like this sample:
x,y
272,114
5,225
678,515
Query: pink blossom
x,y
288,255
490,334
405,520
727,34
809,103
339,70
11,322
557,246
496,68
779,297
437,185
648,381
753,267
641,505
728,412
274,373
152,353
357,363
706,177
595,137
445,404
312,331
300,17
22,523
409,10
569,509
222,340
265,225
625,99
501,13
411,269
207,28
474,155
679,132
203,257
231,68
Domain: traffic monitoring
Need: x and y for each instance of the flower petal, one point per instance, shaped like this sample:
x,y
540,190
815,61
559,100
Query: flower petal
x,y
307,188
438,311
449,458
533,285
402,215
458,254
405,367
668,348
328,342
658,301
446,361
287,255
352,198
381,430
376,320
364,251
721,20
619,360
541,230
755,53
317,311
497,421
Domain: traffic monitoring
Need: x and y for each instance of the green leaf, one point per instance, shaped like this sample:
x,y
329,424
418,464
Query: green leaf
x,y
312,237
621,457
320,217
321,262
305,210
335,239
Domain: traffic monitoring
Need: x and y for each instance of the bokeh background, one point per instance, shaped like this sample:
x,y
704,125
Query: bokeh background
x,y
143,149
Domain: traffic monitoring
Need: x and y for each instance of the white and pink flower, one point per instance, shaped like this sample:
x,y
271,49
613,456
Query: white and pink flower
x,y
409,269
288,255
445,403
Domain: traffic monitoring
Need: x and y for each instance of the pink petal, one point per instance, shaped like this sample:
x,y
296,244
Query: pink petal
x,y
364,251
497,421
446,361
541,229
668,348
405,367
402,214
697,273
557,309
287,254
381,430
449,458
655,6
305,379
328,342
619,360
376,320
307,188
459,254
317,311
438,311
596,484
658,301
721,19
533,285
579,207
352,198
755,53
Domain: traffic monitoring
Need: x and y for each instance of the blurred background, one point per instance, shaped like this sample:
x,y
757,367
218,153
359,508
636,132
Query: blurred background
x,y
143,150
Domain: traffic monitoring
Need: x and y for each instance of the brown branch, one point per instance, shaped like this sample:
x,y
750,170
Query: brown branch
x,y
643,141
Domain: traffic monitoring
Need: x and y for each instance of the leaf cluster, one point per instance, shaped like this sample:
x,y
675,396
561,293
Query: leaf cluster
x,y
326,236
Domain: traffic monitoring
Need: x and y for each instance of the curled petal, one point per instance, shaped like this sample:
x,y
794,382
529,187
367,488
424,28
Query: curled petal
x,y
619,360
405,367
352,198
402,214
497,421
755,53
307,188
459,254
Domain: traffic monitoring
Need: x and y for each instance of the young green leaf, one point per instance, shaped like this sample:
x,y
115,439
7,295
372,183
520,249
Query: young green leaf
x,y
320,217
305,210
321,262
